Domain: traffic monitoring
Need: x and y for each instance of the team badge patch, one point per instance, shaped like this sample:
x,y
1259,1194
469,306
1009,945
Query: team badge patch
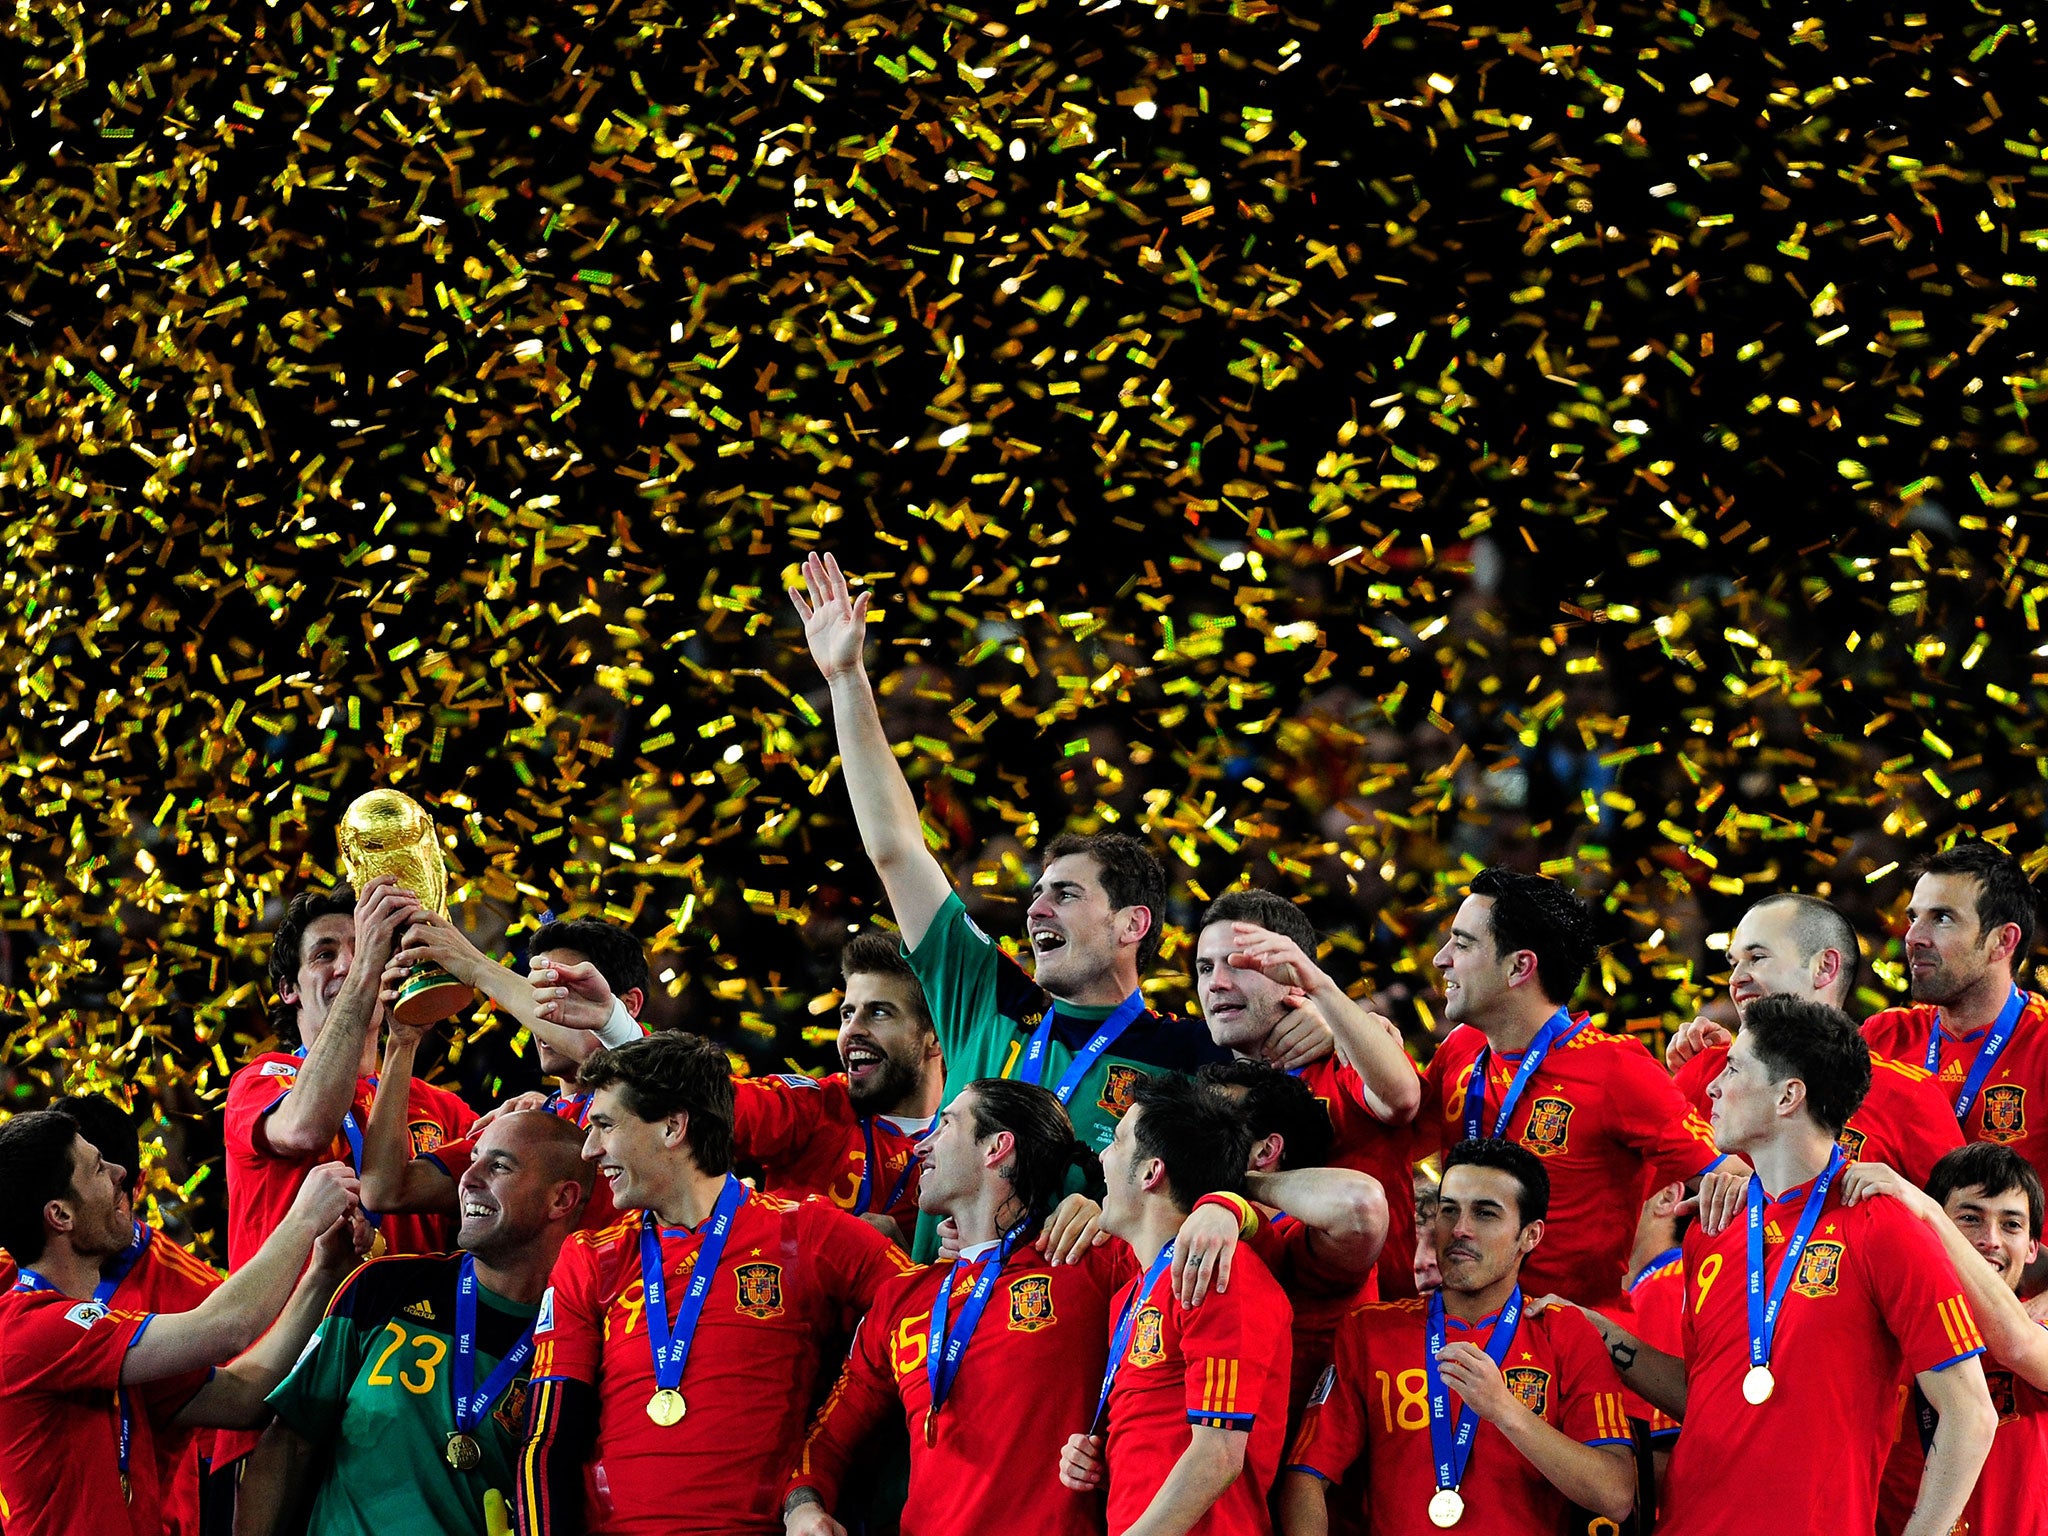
x,y
1851,1142
1031,1303
1119,1086
1531,1386
1820,1270
85,1314
1148,1338
2005,1112
760,1288
279,1069
1549,1127
426,1137
544,1320
1325,1384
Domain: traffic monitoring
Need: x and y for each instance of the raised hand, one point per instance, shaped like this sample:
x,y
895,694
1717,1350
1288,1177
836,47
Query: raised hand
x,y
430,937
329,1193
835,621
1081,1462
1690,1039
383,908
573,994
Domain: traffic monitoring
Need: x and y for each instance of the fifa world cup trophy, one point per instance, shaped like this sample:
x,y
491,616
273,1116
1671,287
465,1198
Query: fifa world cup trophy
x,y
388,833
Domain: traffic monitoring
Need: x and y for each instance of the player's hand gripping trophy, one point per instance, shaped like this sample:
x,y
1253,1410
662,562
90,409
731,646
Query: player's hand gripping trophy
x,y
388,833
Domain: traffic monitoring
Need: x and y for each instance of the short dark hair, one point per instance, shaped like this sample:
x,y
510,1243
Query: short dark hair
x,y
1819,925
1132,876
1994,1169
286,940
620,958
668,1073
881,954
35,1168
1275,1103
1203,1141
1797,1037
109,1128
1264,909
2004,894
1532,1179
1043,1138
1544,917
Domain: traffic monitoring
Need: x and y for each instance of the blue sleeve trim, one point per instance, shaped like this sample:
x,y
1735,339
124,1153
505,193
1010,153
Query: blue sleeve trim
x,y
1664,1436
136,1337
1717,1162
435,1159
272,1105
1952,1359
1223,1420
1302,1466
1610,1440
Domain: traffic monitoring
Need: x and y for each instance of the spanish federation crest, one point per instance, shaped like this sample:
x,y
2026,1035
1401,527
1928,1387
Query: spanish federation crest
x,y
1549,1127
1119,1085
1031,1303
760,1289
1148,1338
1820,1270
2005,1112
1530,1385
511,1410
426,1137
1851,1142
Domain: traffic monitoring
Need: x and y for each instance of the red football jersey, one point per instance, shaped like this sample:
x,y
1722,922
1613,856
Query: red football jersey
x,y
1875,1300
1322,1295
1375,1403
165,1278
2014,1099
1042,1342
1387,1152
60,1374
262,1185
2007,1500
1224,1364
807,1137
454,1157
1657,1297
792,1274
1906,1123
1600,1113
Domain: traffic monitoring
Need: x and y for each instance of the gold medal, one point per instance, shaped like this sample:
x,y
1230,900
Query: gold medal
x,y
666,1407
1758,1385
378,1245
931,1426
463,1453
1447,1508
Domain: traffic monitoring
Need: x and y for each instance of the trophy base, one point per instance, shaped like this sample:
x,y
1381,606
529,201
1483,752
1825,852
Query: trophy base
x,y
428,995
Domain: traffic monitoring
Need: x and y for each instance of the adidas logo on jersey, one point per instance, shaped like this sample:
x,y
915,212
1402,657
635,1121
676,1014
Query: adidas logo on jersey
x,y
424,1310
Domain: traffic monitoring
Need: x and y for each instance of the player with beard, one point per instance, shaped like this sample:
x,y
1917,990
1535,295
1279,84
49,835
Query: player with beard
x,y
1595,1107
1252,972
1077,1023
397,1179
1984,1204
1969,931
84,1387
1801,946
1517,1413
851,1137
673,1350
406,1410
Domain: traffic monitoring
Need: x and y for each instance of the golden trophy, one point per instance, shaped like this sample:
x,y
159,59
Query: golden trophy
x,y
388,833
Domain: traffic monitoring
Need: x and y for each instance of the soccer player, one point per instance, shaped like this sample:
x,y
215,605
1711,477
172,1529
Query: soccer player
x,y
1191,1415
852,1137
395,1178
1969,931
1077,1023
1470,1410
1984,1204
674,1353
1801,1320
1253,967
407,1410
83,1386
1595,1107
1016,1330
290,1111
1801,946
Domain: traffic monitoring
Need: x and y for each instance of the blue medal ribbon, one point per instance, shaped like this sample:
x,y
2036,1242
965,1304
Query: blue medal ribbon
x,y
557,1100
1450,1448
947,1345
471,1401
1987,1054
1763,1313
1107,1033
354,1132
862,1205
1556,1029
1121,1339
1668,1256
116,1270
671,1343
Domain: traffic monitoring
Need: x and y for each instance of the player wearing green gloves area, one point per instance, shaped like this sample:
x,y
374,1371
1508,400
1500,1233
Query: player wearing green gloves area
x,y
1077,1024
